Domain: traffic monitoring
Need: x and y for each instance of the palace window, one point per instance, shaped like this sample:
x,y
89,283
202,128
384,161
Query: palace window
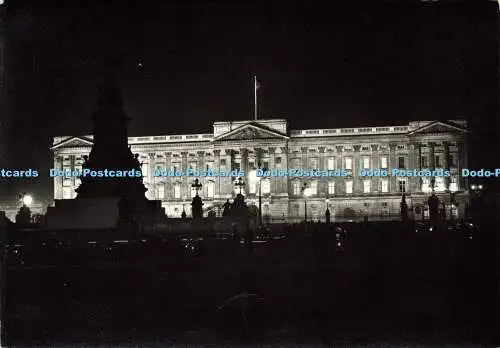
x,y
313,187
438,161
426,184
177,191
192,166
453,184
383,162
210,190
385,185
313,163
451,161
331,163
223,162
348,163
296,188
440,187
266,186
161,191
366,162
277,160
348,186
176,166
424,162
251,164
295,163
265,164
210,165
402,186
401,162
331,187
366,186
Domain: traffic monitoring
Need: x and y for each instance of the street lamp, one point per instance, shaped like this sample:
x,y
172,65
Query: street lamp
x,y
306,191
258,178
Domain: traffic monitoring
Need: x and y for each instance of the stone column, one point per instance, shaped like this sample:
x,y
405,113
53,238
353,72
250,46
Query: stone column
x,y
226,182
446,162
432,156
393,163
304,157
285,181
169,189
462,155
322,165
216,169
58,180
414,163
356,165
151,181
272,166
375,164
185,194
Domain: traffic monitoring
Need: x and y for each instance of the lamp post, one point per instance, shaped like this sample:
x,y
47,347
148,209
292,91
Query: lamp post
x,y
197,185
258,179
306,193
240,184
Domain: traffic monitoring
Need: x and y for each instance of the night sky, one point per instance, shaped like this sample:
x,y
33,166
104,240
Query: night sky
x,y
350,64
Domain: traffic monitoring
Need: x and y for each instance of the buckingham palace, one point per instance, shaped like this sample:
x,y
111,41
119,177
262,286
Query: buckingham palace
x,y
246,146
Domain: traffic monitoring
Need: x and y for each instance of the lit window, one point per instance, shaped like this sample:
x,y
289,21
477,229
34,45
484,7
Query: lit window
x,y
331,187
313,188
331,163
453,184
210,189
177,191
383,162
439,184
385,185
348,163
426,184
266,186
366,186
161,192
348,186
366,162
296,188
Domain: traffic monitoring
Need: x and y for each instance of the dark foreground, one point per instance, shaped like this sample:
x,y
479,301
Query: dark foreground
x,y
386,286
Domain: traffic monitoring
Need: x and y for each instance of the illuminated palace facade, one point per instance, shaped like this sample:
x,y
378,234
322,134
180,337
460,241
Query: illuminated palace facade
x,y
246,144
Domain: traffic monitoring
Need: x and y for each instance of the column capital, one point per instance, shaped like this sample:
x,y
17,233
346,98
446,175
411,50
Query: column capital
x,y
321,149
168,154
228,152
393,146
339,148
374,147
184,153
356,148
200,153
216,152
152,155
272,150
304,149
284,150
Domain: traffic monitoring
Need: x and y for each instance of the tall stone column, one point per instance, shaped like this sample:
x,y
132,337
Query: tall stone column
x,y
304,157
58,180
185,194
226,182
169,189
217,181
414,163
393,163
272,166
462,155
285,181
432,155
151,180
375,164
446,162
322,165
356,165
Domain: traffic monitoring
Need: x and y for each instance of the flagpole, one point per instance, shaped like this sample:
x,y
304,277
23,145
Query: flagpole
x,y
255,96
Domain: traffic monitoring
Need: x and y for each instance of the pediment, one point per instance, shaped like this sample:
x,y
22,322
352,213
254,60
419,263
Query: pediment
x,y
251,131
439,127
73,142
